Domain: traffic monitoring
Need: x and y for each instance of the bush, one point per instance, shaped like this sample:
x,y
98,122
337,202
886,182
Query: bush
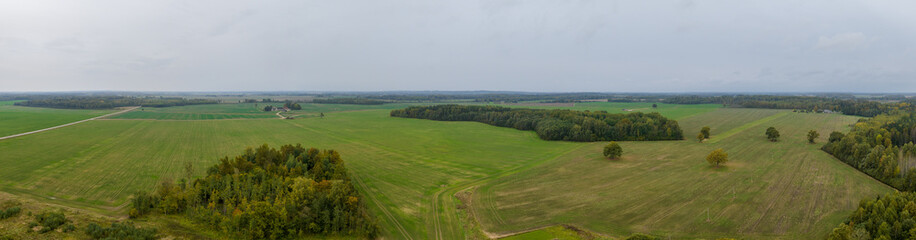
x,y
639,236
120,231
68,228
49,221
9,212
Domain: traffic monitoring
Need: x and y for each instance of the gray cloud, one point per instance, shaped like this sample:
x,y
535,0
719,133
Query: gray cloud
x,y
537,45
844,41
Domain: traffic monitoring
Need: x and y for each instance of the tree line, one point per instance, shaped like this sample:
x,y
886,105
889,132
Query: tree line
x,y
568,125
848,106
104,102
358,101
267,193
875,146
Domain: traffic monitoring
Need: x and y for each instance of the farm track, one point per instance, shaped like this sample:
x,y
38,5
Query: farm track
x,y
68,124
436,197
384,210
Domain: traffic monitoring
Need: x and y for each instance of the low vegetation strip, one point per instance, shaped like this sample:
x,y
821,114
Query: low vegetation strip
x,y
746,126
568,125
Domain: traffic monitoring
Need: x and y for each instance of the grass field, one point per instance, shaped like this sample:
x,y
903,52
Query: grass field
x,y
788,189
410,169
400,163
241,111
16,119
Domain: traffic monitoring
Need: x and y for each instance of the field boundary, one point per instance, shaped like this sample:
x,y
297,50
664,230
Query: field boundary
x,y
67,124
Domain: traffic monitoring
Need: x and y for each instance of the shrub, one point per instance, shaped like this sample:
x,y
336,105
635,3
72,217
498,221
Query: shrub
x,y
9,212
49,221
120,231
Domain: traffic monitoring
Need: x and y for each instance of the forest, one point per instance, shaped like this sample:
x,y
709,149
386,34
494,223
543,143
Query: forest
x,y
267,193
567,125
99,102
883,217
876,147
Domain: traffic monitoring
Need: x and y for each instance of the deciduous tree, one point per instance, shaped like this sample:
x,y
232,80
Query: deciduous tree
x,y
613,150
812,135
717,157
772,134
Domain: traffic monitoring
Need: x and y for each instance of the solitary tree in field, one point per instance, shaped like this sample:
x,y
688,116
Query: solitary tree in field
x,y
717,157
321,115
700,137
812,135
654,105
705,132
613,150
772,134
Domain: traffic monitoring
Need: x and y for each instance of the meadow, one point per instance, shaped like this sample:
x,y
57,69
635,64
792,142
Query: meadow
x,y
242,111
16,119
412,169
786,189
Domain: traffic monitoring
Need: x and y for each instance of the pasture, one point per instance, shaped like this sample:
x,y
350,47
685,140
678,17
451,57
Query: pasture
x,y
787,189
411,169
16,119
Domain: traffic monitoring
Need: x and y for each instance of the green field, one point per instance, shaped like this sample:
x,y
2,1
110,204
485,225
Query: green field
x,y
411,169
16,119
401,162
241,111
788,189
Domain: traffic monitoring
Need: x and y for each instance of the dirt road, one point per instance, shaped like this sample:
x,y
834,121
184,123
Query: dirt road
x,y
68,124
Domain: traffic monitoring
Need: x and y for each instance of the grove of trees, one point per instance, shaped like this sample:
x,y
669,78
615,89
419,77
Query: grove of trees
x,y
568,125
876,147
268,193
613,150
892,216
292,106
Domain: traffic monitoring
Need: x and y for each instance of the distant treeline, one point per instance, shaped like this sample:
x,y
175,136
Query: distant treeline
x,y
883,217
506,97
849,106
267,193
557,124
876,147
111,102
359,101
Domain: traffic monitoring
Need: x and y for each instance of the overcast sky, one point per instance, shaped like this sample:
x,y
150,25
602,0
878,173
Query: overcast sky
x,y
524,45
